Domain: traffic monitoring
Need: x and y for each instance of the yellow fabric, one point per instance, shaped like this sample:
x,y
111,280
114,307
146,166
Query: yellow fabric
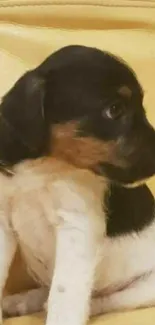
x,y
137,317
32,29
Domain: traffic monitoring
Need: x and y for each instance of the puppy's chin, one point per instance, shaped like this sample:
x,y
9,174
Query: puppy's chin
x,y
136,184
127,177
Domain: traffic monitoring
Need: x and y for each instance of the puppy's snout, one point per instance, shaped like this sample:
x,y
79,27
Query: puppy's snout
x,y
147,136
139,145
142,157
136,151
150,147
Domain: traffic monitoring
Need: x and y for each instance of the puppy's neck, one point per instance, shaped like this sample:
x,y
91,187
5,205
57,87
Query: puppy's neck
x,y
53,169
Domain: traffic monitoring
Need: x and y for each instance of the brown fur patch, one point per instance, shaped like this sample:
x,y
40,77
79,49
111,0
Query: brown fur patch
x,y
125,91
83,152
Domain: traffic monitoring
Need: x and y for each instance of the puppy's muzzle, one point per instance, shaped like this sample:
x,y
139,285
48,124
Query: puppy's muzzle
x,y
137,154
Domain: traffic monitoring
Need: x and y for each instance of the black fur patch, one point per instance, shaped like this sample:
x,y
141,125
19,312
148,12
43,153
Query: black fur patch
x,y
129,210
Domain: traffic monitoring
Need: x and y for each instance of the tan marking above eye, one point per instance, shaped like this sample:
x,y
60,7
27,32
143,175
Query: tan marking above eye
x,y
125,91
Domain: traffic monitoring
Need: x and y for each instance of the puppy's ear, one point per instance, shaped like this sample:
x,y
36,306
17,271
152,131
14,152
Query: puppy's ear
x,y
22,124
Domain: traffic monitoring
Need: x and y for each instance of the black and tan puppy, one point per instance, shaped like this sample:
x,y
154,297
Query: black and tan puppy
x,y
80,120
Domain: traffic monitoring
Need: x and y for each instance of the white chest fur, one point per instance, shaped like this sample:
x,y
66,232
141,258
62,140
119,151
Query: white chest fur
x,y
37,193
49,203
34,203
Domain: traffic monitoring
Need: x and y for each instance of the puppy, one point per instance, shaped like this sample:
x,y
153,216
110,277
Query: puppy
x,y
79,120
129,212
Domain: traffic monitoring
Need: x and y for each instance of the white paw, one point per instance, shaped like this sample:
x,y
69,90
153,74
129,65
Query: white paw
x,y
14,306
25,303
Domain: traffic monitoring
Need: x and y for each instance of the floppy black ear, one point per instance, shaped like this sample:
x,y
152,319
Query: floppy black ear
x,y
22,124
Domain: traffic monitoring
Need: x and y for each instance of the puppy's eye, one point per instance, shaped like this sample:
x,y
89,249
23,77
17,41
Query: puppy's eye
x,y
114,110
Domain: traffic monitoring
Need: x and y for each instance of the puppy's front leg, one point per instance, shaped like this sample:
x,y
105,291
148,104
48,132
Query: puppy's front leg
x,y
7,249
76,258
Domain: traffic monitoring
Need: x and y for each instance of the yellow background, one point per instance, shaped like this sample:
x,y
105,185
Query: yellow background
x,y
30,30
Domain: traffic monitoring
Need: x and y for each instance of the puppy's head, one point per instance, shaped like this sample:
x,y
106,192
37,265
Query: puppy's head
x,y
84,106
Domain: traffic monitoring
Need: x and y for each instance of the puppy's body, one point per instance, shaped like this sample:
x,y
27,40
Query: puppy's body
x,y
42,191
126,282
84,108
45,198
